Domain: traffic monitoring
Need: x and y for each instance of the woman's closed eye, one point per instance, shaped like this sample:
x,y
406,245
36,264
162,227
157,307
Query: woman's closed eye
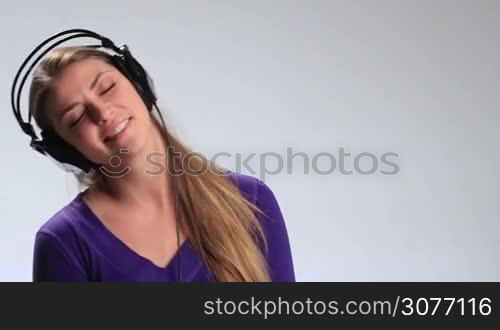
x,y
76,121
108,89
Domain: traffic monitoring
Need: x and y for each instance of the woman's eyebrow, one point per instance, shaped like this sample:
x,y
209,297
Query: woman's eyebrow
x,y
92,85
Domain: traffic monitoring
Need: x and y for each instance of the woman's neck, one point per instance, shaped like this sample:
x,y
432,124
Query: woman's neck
x,y
144,180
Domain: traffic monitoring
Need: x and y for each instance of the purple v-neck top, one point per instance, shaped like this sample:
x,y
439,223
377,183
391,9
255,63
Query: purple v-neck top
x,y
75,246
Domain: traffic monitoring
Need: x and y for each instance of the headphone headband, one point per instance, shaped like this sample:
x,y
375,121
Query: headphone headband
x,y
52,145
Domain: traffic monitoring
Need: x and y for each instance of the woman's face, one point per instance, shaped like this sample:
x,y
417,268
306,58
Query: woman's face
x,y
89,102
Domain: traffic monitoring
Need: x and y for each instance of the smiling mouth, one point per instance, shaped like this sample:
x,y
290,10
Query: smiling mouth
x,y
120,128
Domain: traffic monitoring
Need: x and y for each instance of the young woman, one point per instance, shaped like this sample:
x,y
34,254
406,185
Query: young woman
x,y
129,224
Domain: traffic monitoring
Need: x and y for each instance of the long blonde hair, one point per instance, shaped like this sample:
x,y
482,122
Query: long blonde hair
x,y
219,222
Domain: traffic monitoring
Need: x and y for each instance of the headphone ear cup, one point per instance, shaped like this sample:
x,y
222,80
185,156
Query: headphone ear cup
x,y
65,153
142,82
139,73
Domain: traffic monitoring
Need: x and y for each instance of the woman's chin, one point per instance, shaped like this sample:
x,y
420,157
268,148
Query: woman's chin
x,y
125,151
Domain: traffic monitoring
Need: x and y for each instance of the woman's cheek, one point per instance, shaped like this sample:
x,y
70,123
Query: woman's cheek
x,y
88,142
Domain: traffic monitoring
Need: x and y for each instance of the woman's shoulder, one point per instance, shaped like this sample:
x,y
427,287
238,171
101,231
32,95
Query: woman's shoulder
x,y
58,246
63,221
254,189
260,194
66,229
279,254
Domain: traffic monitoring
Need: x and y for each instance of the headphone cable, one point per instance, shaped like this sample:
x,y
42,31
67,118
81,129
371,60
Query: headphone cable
x,y
174,190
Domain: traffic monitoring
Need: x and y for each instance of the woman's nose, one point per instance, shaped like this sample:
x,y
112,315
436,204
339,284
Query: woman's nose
x,y
100,112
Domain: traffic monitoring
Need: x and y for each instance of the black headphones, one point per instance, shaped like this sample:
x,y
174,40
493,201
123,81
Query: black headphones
x,y
54,146
51,144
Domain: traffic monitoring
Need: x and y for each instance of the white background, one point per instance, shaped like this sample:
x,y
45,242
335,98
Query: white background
x,y
419,78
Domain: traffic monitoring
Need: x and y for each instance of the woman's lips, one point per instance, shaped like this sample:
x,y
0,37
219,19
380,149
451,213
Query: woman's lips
x,y
116,136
